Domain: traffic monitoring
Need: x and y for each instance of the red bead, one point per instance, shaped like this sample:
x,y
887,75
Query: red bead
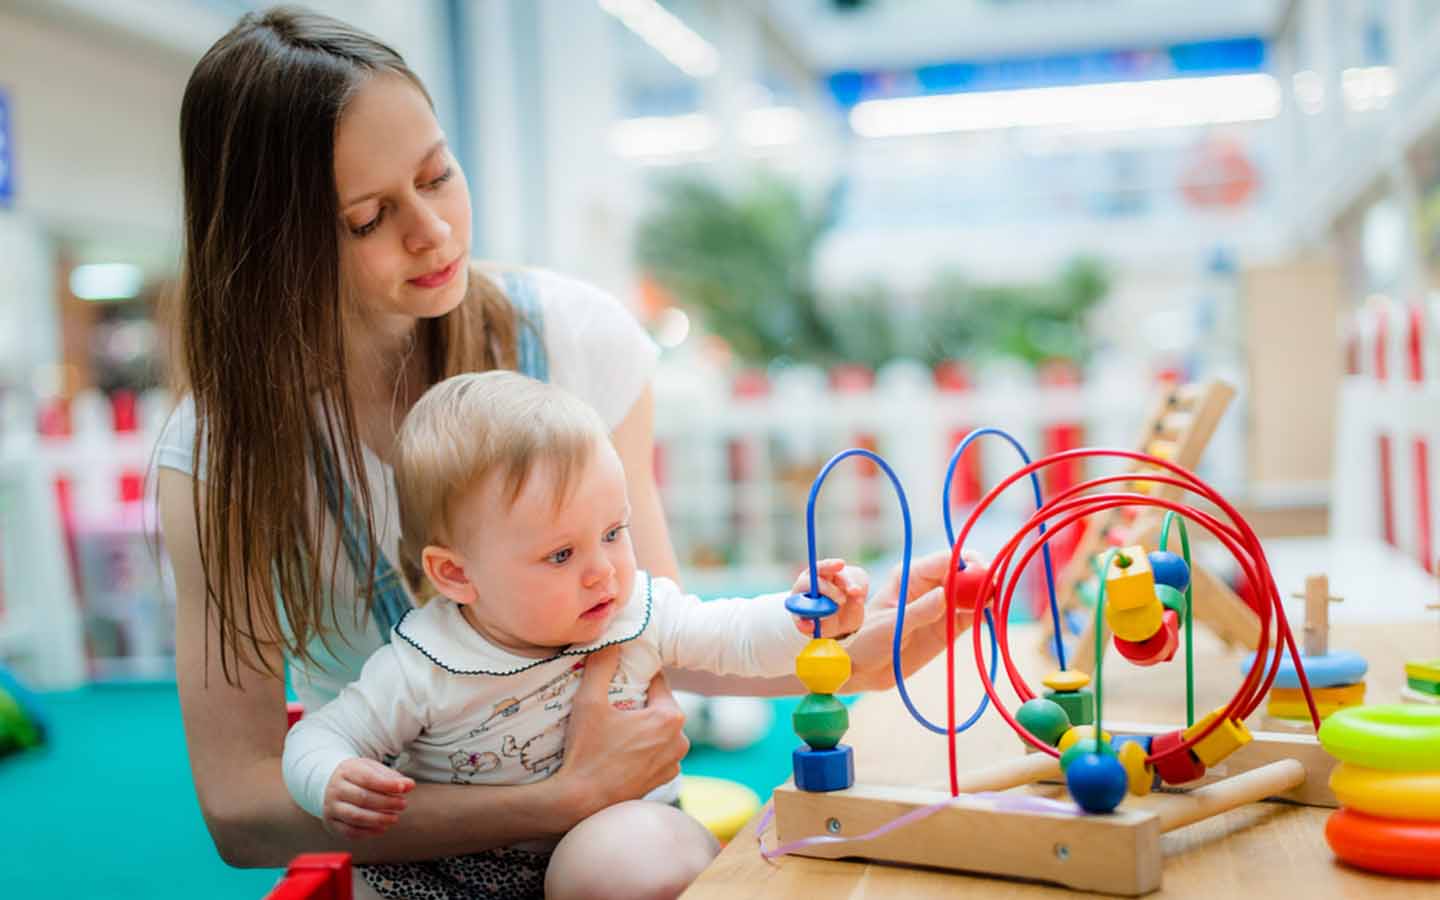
x,y
1177,768
968,582
1159,647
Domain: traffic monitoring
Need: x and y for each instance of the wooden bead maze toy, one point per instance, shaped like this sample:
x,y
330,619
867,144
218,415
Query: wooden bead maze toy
x,y
1180,425
1098,840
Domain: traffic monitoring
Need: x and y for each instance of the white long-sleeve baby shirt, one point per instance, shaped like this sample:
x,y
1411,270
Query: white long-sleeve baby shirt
x,y
446,705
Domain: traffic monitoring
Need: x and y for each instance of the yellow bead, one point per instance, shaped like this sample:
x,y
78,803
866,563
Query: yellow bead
x,y
823,666
1138,624
1140,774
1068,739
1131,586
1066,680
1223,741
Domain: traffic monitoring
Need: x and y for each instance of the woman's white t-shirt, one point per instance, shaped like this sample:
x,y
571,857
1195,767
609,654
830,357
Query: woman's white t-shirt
x,y
594,348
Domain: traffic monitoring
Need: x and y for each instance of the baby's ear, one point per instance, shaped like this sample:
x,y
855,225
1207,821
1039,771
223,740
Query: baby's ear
x,y
446,570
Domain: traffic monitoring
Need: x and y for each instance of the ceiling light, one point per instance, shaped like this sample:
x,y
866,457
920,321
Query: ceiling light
x,y
1114,106
670,37
106,281
649,137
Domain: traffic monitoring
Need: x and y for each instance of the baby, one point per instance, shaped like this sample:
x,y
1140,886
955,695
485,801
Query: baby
x,y
513,505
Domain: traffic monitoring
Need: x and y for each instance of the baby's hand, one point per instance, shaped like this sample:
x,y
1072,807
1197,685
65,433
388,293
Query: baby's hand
x,y
364,798
847,586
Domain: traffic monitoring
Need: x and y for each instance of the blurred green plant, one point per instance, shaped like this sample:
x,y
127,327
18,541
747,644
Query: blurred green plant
x,y
742,261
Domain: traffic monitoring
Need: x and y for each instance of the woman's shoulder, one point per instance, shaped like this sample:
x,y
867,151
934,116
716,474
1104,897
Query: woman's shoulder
x,y
595,346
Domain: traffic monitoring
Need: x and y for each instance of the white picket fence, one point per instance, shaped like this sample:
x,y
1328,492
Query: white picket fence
x,y
1387,470
82,595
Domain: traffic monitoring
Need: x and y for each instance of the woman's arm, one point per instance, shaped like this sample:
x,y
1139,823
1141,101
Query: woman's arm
x,y
236,736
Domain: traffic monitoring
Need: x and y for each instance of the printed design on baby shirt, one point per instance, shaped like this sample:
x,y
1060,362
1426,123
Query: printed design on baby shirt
x,y
549,694
541,754
466,762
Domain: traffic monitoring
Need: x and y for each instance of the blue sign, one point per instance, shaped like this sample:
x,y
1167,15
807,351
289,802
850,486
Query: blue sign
x,y
7,153
1231,56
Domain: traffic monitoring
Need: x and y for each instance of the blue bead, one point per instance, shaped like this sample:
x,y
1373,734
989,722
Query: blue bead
x,y
824,770
1097,782
808,607
1170,569
1336,668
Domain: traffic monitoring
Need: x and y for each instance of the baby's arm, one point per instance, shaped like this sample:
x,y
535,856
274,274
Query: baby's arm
x,y
331,761
750,636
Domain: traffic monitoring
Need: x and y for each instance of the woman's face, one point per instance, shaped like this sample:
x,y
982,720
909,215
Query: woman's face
x,y
404,204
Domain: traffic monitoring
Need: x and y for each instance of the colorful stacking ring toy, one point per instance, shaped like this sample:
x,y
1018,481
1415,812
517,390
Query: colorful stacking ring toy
x,y
1391,795
1331,670
1390,846
1396,738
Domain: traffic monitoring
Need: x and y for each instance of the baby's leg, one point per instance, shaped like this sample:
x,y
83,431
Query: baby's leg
x,y
636,850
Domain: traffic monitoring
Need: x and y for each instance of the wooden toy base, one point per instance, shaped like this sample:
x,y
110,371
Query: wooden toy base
x,y
1117,853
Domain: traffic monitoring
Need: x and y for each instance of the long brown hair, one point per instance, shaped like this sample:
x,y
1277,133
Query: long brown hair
x,y
260,321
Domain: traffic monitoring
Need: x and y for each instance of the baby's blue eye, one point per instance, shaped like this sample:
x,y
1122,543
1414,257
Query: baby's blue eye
x,y
613,534
560,557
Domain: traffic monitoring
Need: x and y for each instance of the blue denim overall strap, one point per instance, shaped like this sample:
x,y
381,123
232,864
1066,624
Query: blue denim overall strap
x,y
389,600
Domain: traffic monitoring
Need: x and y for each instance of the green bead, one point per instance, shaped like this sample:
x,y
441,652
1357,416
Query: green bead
x,y
1045,719
1080,748
1171,599
821,721
1079,705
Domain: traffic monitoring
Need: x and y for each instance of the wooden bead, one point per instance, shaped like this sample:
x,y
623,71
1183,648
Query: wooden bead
x,y
821,720
1136,624
1130,586
1177,768
824,770
1171,599
823,666
1223,741
1097,782
1066,680
1139,773
1045,719
1079,705
1078,733
1169,570
1160,647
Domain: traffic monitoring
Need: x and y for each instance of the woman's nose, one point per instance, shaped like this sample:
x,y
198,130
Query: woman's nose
x,y
427,230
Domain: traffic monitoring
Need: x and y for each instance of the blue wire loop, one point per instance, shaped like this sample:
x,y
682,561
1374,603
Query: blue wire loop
x,y
1039,503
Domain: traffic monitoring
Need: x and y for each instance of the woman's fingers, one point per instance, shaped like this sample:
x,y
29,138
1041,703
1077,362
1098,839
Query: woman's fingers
x,y
599,671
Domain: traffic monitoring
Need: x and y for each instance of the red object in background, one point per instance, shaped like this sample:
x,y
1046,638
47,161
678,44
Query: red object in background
x,y
122,411
951,377
1219,175
1415,368
54,418
315,876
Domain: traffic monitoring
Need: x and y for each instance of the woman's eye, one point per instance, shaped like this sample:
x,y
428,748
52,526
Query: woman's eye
x,y
362,230
559,557
442,178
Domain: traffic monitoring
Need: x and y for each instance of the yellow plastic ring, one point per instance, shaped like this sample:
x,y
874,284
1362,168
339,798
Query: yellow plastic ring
x,y
1389,795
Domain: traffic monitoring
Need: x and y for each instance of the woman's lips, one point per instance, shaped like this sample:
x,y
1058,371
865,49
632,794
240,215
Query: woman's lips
x,y
437,278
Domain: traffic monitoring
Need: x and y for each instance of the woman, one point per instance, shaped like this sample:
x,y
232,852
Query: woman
x,y
327,283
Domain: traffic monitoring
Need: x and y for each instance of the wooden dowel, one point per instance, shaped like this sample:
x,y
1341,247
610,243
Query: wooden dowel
x,y
1011,773
1202,803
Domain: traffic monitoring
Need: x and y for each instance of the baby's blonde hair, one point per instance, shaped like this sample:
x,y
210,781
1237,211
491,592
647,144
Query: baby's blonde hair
x,y
477,426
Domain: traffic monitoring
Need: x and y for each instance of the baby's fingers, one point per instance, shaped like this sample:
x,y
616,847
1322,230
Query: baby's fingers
x,y
348,815
371,775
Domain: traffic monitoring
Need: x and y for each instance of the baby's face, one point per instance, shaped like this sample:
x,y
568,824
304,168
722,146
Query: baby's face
x,y
550,578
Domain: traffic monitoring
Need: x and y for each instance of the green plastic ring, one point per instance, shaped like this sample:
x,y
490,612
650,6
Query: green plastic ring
x,y
1396,738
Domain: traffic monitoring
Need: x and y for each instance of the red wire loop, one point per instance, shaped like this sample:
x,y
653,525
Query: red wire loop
x,y
1075,505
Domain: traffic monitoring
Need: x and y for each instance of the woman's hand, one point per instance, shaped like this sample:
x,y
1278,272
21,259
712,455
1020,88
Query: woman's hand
x,y
612,755
924,636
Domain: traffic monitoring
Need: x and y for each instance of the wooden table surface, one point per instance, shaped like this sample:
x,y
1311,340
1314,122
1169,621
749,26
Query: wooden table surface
x,y
1261,850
